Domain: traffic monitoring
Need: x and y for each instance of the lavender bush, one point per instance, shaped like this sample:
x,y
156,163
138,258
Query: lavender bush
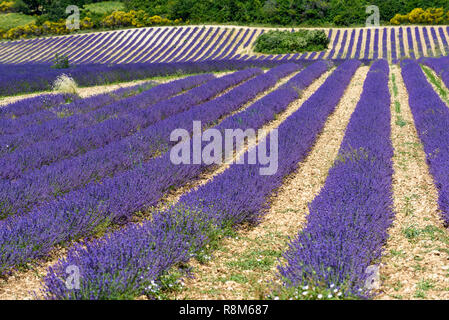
x,y
61,177
81,212
199,213
348,220
79,141
431,117
14,124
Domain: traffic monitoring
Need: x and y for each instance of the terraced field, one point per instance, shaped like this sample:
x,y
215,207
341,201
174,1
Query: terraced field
x,y
203,43
357,206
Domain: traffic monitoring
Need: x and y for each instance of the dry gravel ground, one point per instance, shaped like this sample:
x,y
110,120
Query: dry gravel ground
x,y
27,284
245,266
415,264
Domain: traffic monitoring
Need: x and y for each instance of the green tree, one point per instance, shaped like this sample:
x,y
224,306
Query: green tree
x,y
347,12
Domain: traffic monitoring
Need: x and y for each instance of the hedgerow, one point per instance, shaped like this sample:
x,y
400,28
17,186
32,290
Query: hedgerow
x,y
291,42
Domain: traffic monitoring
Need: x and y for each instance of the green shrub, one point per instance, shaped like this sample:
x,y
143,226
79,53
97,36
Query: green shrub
x,y
279,42
60,62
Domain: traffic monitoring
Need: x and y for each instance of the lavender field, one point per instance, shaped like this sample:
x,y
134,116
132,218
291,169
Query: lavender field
x,y
343,193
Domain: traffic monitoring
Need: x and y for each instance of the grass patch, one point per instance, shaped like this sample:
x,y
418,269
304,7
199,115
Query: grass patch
x,y
395,87
437,83
397,107
411,233
104,7
429,232
422,287
400,122
260,259
397,253
236,277
12,20
280,42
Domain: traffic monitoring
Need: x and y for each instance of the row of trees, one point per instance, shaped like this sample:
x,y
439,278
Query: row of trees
x,y
53,10
284,12
340,12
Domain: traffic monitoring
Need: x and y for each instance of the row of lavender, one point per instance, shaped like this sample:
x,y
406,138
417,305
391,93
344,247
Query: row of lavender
x,y
431,116
219,54
126,263
63,138
24,113
15,79
82,212
348,220
29,106
130,46
181,44
54,180
51,123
